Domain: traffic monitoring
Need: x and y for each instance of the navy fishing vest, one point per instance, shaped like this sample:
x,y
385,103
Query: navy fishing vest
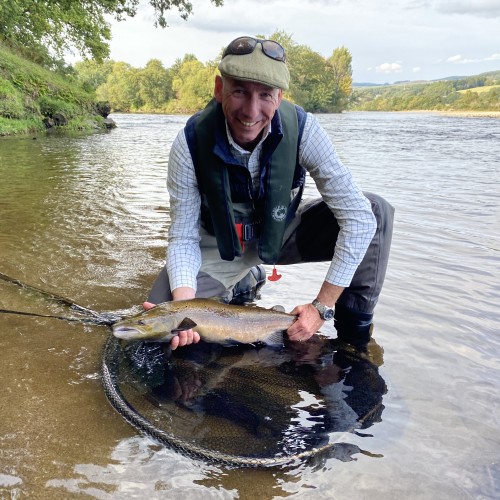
x,y
223,181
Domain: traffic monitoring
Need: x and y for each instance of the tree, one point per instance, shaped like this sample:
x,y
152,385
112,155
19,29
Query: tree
x,y
92,74
121,89
340,69
193,85
68,25
155,85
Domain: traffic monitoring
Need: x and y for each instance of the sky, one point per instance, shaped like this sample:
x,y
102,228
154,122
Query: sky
x,y
389,40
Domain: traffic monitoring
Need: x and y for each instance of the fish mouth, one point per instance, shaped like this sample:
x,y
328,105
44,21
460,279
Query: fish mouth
x,y
127,332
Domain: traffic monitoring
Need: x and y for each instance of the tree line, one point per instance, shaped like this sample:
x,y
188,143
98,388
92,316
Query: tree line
x,y
476,93
318,84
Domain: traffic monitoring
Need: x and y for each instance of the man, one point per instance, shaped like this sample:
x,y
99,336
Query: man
x,y
235,178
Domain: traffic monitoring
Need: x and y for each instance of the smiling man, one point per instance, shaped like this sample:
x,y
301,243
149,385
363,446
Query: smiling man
x,y
235,178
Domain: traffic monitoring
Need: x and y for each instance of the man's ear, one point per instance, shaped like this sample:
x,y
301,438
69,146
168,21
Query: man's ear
x,y
219,84
280,97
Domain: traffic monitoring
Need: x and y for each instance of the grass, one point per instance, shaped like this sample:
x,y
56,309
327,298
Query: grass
x,y
480,90
30,93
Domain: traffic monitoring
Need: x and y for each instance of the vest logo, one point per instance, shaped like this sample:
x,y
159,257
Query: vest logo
x,y
279,213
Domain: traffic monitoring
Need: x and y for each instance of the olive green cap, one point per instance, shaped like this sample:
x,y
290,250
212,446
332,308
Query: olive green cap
x,y
256,67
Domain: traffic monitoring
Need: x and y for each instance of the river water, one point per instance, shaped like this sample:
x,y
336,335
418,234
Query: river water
x,y
85,217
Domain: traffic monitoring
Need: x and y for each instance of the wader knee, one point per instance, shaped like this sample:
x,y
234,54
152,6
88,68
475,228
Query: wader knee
x,y
354,327
248,288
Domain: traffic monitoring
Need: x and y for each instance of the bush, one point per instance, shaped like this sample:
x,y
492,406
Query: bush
x,y
51,106
11,102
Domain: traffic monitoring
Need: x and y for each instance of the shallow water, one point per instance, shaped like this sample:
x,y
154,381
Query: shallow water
x,y
85,217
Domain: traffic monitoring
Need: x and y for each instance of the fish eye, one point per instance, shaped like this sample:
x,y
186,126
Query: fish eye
x,y
141,322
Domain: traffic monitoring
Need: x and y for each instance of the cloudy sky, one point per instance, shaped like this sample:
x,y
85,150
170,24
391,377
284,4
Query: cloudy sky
x,y
390,40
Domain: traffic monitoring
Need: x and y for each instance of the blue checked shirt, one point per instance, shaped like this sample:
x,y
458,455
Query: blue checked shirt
x,y
333,181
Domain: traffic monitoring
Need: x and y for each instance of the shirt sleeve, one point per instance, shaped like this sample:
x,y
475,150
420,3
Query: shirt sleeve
x,y
344,198
183,250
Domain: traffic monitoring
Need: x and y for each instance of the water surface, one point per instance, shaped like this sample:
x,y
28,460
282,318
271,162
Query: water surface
x,y
85,217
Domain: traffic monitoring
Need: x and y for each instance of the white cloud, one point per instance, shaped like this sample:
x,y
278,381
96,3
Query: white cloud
x,y
481,8
416,69
389,68
458,59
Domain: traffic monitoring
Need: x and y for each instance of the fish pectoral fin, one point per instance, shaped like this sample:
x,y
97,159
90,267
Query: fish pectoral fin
x,y
185,324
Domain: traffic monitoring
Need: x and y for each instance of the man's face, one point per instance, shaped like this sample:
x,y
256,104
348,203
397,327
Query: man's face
x,y
248,107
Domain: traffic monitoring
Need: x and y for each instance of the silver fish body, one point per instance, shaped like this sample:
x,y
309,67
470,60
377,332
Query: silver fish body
x,y
215,322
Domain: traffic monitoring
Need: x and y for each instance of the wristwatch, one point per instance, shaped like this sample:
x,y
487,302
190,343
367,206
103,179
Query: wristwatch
x,y
325,312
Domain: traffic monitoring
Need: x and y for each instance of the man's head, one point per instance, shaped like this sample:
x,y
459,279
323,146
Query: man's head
x,y
250,89
256,60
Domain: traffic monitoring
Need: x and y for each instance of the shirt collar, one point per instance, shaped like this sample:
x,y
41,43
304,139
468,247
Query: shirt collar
x,y
233,144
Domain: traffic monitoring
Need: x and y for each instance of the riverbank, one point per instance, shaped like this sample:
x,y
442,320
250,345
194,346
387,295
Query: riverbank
x,y
35,99
472,114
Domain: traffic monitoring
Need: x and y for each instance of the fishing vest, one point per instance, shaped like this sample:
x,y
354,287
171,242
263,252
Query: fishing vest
x,y
223,182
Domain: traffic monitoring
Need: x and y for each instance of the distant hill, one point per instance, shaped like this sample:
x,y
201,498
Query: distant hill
x,y
489,74
454,93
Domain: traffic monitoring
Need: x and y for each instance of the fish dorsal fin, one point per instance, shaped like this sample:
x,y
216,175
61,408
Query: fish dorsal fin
x,y
278,308
185,324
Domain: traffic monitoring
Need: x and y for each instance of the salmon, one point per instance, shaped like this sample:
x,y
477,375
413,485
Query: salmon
x,y
214,320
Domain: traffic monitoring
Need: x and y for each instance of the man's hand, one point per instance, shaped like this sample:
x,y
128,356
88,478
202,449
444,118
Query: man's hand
x,y
309,321
307,324
183,338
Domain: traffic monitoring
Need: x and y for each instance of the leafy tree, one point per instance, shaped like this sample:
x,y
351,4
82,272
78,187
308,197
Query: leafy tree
x,y
92,74
340,69
155,85
121,89
317,84
62,25
193,85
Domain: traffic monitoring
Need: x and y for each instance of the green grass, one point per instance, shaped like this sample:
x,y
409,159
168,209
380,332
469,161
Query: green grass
x,y
30,93
480,90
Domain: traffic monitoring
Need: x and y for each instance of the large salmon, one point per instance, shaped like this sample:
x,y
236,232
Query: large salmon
x,y
215,322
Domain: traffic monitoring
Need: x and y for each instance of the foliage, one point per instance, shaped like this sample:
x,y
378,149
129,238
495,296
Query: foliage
x,y
317,84
30,93
42,28
91,74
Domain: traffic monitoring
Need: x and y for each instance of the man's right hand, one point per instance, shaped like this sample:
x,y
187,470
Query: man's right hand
x,y
183,338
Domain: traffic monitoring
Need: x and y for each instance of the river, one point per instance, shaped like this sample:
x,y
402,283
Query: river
x,y
85,217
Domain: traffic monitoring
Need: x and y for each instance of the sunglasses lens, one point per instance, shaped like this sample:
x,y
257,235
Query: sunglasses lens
x,y
242,45
247,44
273,50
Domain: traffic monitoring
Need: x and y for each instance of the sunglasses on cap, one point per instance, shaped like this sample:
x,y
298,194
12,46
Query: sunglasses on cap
x,y
246,45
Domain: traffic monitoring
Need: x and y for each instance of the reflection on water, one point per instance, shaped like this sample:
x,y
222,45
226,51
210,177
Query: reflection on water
x,y
247,405
85,217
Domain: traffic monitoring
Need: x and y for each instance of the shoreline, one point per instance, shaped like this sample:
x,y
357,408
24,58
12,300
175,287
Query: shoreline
x,y
463,113
472,114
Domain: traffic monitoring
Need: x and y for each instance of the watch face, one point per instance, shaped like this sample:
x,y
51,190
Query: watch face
x,y
328,314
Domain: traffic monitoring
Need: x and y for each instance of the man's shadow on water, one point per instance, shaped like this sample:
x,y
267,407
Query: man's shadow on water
x,y
265,402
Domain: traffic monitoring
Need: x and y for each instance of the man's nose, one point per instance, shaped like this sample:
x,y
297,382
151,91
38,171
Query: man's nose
x,y
251,107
